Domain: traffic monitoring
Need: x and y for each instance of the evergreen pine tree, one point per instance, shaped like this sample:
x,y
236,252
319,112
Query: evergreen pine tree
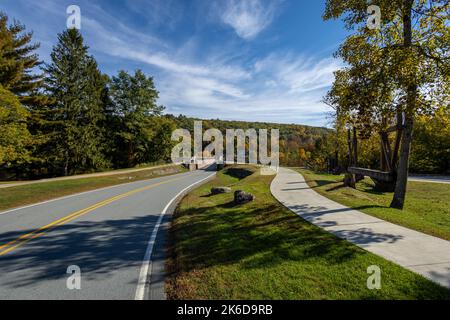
x,y
77,87
20,96
18,61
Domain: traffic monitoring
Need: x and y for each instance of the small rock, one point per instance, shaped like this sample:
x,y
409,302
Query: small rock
x,y
219,190
243,197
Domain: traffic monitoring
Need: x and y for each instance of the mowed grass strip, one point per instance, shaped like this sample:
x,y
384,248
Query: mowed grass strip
x,y
263,251
427,207
28,194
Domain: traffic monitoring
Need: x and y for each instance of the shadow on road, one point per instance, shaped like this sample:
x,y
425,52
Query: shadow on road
x,y
98,248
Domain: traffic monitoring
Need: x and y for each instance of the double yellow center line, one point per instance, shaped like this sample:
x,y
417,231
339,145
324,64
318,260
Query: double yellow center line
x,y
8,247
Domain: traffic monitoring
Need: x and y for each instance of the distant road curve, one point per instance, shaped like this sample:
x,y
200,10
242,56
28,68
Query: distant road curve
x,y
108,233
418,177
430,178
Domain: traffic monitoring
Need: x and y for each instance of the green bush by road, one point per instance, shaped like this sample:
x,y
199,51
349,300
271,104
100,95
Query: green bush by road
x,y
263,251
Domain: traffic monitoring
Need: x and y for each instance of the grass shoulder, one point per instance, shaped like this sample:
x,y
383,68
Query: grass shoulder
x,y
427,207
261,250
16,196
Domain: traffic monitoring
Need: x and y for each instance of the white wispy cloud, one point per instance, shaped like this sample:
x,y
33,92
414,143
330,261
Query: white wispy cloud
x,y
289,90
165,13
298,74
280,87
227,82
249,17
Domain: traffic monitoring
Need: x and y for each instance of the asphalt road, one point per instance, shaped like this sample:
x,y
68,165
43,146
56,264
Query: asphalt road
x,y
430,178
106,233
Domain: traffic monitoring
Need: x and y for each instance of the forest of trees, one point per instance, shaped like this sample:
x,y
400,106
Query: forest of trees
x,y
67,117
297,142
395,88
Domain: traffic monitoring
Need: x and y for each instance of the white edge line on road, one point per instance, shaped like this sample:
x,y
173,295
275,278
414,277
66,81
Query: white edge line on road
x,y
429,181
82,193
146,272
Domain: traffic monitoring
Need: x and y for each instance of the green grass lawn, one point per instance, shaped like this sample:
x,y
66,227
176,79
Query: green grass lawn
x,y
261,250
27,194
427,207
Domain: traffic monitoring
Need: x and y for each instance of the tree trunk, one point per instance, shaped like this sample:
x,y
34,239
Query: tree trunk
x,y
402,173
66,166
398,139
398,200
382,157
350,149
130,155
355,148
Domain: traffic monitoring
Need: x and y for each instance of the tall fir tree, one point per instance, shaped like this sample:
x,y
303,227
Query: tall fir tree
x,y
21,94
18,63
73,121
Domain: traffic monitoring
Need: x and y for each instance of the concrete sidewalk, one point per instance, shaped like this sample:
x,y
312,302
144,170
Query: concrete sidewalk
x,y
415,251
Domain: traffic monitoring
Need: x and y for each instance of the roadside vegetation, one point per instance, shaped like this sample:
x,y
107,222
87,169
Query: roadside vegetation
x,y
427,206
12,197
261,250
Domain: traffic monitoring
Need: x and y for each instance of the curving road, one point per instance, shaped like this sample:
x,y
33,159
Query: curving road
x,y
110,234
430,178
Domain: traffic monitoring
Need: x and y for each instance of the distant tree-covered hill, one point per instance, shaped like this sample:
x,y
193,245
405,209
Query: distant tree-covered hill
x,y
297,142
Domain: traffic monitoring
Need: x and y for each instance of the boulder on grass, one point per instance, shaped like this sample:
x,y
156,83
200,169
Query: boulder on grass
x,y
241,197
219,190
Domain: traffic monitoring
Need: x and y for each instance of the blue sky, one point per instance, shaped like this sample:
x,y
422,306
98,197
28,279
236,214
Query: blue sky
x,y
256,60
